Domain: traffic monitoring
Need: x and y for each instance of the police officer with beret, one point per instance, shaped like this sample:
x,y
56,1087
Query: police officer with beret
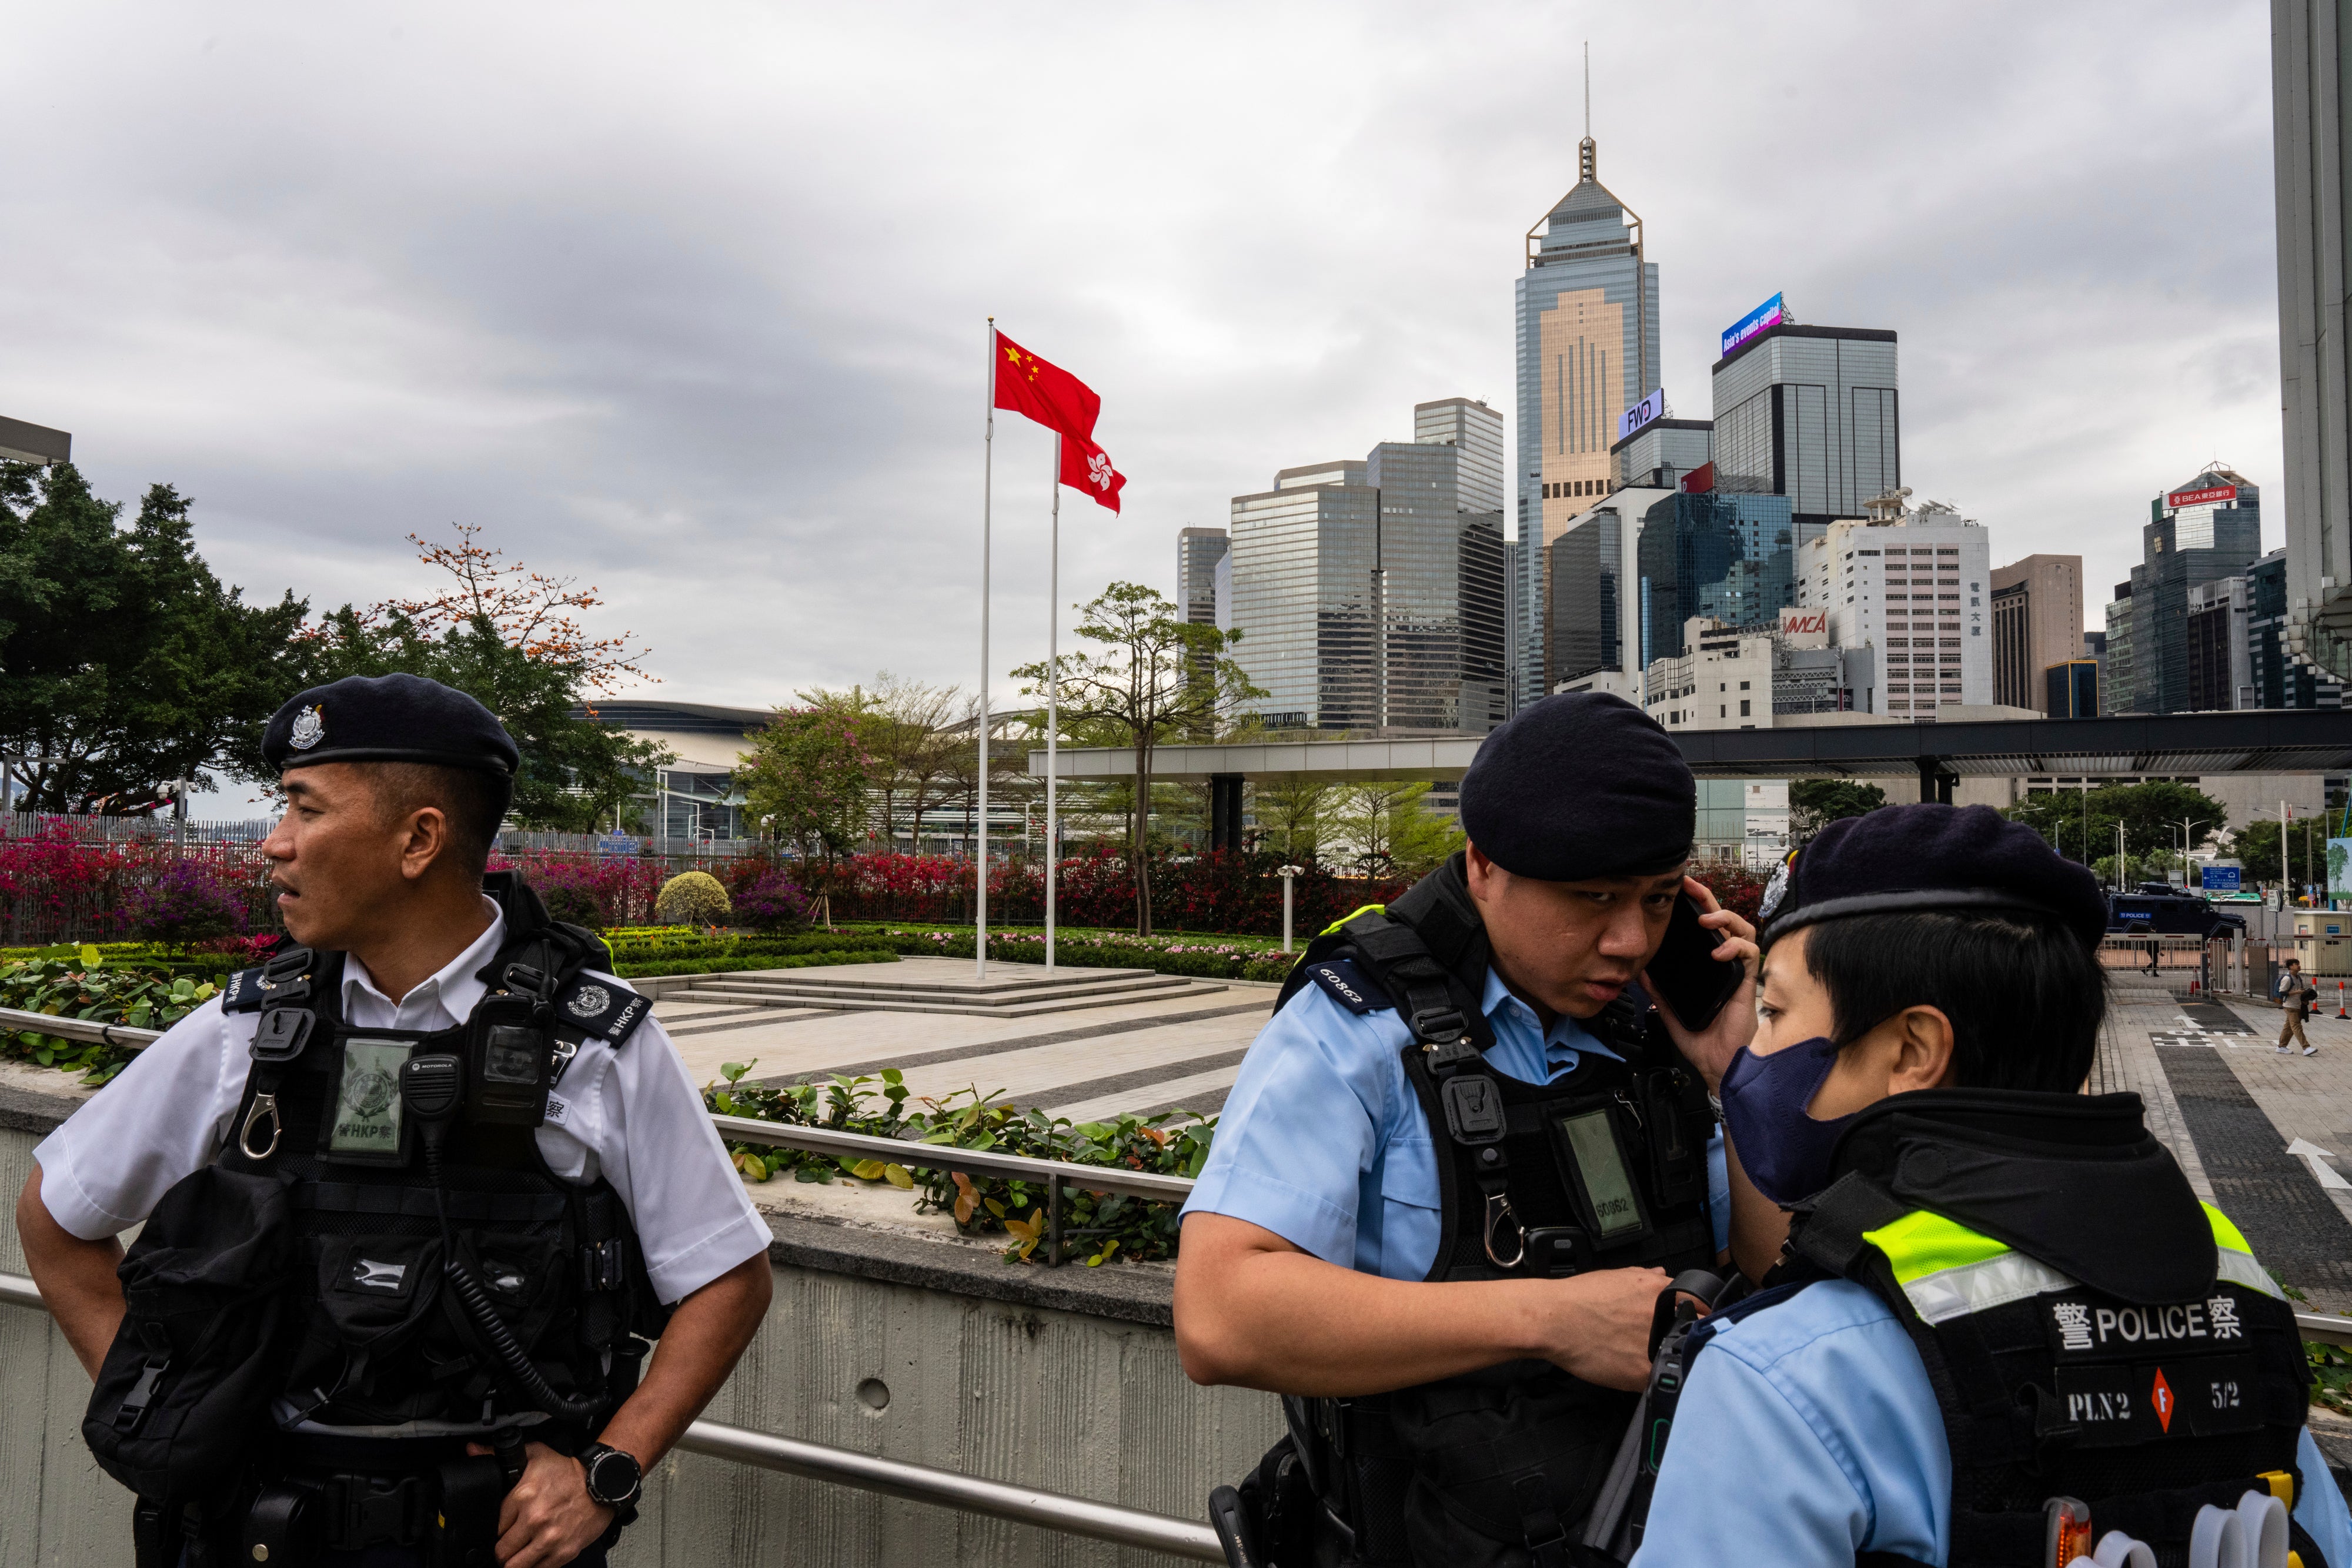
x,y
1461,1164
2006,1329
418,1193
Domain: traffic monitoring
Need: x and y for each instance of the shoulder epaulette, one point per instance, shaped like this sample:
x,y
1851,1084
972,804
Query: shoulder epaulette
x,y
1345,982
596,1008
285,978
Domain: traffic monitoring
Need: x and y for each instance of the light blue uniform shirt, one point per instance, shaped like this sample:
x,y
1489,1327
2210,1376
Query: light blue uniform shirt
x,y
1809,1433
1323,1141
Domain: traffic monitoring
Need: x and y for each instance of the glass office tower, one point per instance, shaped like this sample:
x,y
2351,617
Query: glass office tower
x,y
1731,558
1198,551
1808,413
2208,529
2280,679
1586,310
1371,595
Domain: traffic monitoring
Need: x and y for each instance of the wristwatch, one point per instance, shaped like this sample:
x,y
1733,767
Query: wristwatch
x,y
615,1480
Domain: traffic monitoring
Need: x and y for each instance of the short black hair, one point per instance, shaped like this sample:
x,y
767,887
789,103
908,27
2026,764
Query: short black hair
x,y
473,799
2026,999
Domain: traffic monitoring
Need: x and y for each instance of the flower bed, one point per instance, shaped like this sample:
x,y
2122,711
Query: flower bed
x,y
1103,1226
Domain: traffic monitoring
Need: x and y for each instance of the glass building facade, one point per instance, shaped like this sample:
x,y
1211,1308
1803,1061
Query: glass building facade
x,y
1371,595
1729,558
1809,412
2182,548
1198,551
1586,312
2280,680
1587,599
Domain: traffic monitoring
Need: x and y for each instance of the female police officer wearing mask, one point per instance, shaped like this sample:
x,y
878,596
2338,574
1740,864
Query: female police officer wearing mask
x,y
395,788
1434,1280
2005,1330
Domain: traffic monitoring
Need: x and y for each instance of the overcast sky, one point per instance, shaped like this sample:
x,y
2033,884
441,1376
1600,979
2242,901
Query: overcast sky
x,y
688,300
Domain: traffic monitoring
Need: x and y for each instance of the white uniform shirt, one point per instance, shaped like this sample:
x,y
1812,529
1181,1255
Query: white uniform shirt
x,y
632,1115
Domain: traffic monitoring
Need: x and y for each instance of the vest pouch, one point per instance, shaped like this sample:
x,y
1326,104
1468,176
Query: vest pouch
x,y
184,1389
1503,1458
375,1294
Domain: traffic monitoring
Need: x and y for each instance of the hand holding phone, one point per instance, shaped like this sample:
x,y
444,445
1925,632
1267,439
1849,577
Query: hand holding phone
x,y
1694,979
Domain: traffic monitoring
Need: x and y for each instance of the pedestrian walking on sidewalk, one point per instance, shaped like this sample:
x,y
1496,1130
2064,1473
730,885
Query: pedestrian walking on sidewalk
x,y
2295,992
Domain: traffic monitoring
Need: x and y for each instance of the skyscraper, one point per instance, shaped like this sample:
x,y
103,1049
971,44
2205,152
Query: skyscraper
x,y
2210,527
1198,551
1729,559
2280,679
1808,413
1914,586
2309,45
1371,594
1587,327
2037,621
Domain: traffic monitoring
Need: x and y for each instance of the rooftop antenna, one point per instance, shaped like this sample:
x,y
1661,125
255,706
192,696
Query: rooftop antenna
x,y
1584,152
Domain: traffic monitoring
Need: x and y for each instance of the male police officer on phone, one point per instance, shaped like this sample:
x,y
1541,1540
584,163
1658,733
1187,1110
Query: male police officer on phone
x,y
439,1174
1460,1165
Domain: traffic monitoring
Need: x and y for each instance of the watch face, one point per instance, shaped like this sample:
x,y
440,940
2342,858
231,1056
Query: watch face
x,y
613,1477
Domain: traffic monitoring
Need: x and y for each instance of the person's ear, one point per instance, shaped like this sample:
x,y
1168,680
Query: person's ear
x,y
1484,875
1923,1051
423,837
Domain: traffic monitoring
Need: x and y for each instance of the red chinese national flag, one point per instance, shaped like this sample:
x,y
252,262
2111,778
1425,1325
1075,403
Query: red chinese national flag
x,y
1086,466
1049,395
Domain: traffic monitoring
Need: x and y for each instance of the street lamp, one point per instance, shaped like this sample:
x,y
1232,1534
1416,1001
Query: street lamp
x,y
2186,826
1289,875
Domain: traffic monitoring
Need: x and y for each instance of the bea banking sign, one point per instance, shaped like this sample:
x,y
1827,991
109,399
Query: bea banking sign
x,y
2179,499
1641,414
1768,314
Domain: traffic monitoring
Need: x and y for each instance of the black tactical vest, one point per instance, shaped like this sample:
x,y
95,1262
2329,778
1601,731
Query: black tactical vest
x,y
2090,1330
379,1342
1604,1168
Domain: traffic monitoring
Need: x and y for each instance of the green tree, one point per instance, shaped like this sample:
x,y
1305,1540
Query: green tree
x,y
810,769
2082,825
505,635
120,653
1815,803
1293,815
1392,833
2256,846
1153,678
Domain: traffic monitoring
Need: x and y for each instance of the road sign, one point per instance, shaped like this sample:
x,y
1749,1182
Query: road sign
x,y
2223,878
616,844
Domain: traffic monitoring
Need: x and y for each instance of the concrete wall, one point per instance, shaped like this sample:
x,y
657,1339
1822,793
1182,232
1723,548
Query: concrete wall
x,y
1064,1380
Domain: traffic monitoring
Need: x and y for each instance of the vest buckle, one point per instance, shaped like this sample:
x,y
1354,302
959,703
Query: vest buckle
x,y
1499,1210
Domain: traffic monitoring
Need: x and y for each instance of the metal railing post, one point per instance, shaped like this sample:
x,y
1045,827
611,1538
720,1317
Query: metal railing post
x,y
1053,1221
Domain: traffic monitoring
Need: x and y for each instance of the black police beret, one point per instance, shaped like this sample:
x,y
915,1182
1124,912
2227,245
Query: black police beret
x,y
388,718
1900,859
1580,785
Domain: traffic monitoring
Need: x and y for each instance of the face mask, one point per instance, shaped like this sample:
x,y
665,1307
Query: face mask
x,y
1785,1152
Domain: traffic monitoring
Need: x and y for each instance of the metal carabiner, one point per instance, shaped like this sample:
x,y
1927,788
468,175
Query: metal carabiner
x,y
1498,1209
263,1104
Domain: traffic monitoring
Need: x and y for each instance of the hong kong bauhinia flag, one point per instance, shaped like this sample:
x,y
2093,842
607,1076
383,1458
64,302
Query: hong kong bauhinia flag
x,y
1058,400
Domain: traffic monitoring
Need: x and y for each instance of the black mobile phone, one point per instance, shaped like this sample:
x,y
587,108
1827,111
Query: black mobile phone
x,y
1685,976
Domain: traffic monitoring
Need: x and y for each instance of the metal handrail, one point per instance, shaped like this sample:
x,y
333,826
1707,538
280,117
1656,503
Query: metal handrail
x,y
896,1477
955,1157
1055,1174
122,1034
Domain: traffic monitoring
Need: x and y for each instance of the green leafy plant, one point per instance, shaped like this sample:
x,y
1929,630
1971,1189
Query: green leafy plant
x,y
83,988
2331,1375
1101,1225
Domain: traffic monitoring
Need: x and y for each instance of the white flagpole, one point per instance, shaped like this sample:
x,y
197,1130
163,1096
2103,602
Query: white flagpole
x,y
987,481
1053,696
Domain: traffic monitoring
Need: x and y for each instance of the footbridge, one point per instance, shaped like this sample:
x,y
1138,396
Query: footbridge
x,y
1938,755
